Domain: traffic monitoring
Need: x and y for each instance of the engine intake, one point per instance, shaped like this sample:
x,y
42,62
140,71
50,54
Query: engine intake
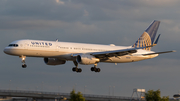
x,y
54,61
87,59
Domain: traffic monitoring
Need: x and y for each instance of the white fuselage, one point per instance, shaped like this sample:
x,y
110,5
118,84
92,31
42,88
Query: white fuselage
x,y
66,50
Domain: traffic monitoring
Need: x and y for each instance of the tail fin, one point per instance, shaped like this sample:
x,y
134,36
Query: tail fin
x,y
147,38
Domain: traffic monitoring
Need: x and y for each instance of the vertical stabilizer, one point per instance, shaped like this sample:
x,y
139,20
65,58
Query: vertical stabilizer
x,y
147,38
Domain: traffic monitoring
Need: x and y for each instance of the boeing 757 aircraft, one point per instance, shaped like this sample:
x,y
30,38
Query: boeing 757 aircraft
x,y
57,53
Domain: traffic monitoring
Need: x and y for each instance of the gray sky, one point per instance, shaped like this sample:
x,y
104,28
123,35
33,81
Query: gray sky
x,y
120,22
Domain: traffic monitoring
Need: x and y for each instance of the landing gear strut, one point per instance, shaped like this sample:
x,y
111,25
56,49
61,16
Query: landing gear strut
x,y
76,69
23,61
95,69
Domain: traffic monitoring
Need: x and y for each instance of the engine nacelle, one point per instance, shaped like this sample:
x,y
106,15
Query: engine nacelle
x,y
54,61
86,59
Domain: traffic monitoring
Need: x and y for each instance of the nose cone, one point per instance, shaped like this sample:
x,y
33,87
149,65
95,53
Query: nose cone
x,y
6,50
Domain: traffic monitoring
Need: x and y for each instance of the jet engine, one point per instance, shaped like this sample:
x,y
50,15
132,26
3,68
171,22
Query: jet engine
x,y
54,61
86,59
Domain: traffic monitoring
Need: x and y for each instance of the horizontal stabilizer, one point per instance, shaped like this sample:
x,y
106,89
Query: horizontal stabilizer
x,y
160,52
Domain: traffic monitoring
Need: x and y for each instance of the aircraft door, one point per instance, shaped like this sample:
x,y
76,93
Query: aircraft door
x,y
57,48
26,46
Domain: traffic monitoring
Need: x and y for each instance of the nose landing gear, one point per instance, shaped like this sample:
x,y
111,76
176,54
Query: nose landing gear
x,y
23,61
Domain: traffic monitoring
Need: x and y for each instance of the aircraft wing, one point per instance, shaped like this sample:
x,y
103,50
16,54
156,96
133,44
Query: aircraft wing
x,y
121,52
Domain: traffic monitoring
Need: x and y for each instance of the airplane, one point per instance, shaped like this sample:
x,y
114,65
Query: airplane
x,y
57,53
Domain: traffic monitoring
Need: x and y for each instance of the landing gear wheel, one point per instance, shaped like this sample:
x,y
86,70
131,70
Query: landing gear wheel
x,y
24,66
74,69
98,70
95,69
92,69
79,70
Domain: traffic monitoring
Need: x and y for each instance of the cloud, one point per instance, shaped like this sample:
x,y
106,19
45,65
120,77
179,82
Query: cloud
x,y
60,2
75,27
150,3
175,27
159,3
28,24
86,13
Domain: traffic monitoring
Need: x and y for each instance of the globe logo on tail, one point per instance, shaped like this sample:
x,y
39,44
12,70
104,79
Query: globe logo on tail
x,y
143,41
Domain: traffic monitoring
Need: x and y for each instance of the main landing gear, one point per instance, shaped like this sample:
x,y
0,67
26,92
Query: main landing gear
x,y
23,61
79,70
76,69
95,69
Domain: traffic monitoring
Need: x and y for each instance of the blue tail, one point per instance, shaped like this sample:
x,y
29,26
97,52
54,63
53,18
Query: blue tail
x,y
147,38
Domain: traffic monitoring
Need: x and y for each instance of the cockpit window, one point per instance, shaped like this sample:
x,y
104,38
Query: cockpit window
x,y
13,45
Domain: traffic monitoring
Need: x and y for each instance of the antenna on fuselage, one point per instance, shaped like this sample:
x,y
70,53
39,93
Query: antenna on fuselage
x,y
57,40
